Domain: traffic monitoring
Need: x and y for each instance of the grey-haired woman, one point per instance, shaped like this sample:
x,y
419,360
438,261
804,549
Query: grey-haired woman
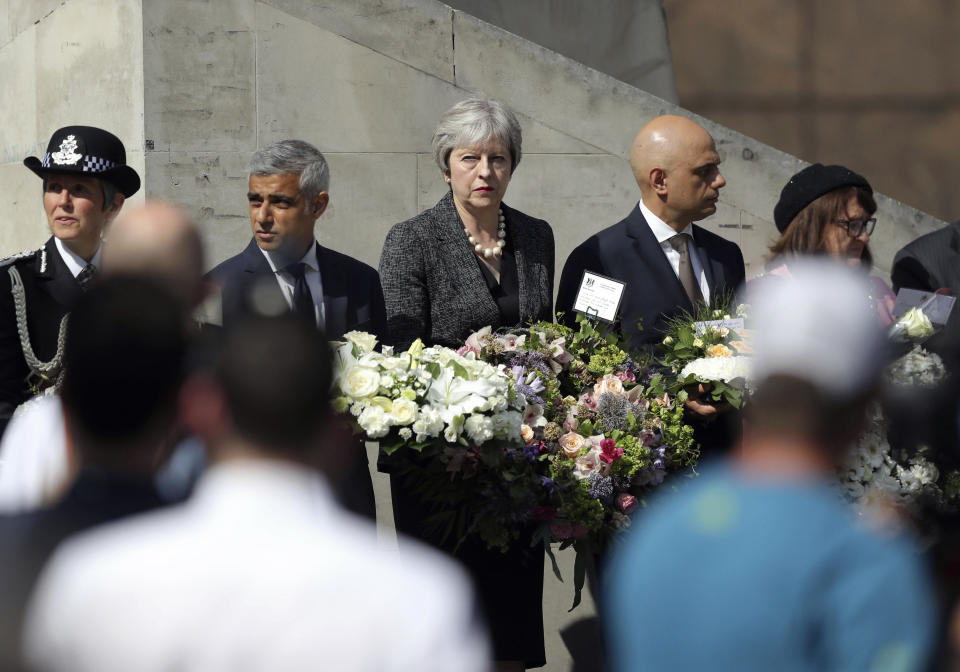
x,y
467,262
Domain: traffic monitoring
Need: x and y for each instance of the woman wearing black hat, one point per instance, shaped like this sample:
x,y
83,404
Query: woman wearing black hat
x,y
828,210
85,181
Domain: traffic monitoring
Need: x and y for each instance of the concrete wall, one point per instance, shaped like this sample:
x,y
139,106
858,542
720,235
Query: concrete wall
x,y
64,62
626,39
202,84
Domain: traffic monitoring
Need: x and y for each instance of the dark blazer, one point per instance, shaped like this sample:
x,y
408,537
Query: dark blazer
x,y
51,292
433,285
929,263
628,251
27,541
352,298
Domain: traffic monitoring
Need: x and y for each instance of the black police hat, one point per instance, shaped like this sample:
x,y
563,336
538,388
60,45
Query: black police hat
x,y
89,151
810,184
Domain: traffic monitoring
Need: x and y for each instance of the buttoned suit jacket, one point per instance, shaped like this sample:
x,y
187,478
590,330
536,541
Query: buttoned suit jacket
x,y
51,291
433,285
929,263
352,297
628,251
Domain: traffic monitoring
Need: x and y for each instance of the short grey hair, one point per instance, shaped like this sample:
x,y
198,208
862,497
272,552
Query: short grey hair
x,y
294,157
472,122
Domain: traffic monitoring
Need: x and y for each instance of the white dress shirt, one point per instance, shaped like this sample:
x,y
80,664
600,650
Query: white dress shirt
x,y
34,465
73,260
663,233
287,281
259,571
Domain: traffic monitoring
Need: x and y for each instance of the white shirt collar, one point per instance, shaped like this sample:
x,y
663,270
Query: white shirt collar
x,y
74,261
277,263
660,228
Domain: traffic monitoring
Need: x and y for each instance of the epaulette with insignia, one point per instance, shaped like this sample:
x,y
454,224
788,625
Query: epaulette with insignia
x,y
26,254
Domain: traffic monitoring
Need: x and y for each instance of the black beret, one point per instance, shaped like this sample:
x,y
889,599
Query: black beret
x,y
810,184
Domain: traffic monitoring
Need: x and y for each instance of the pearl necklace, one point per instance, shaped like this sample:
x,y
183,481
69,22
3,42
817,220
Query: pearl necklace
x,y
496,250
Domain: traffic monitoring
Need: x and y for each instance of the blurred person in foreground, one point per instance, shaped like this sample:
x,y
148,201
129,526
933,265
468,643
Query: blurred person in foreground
x,y
260,570
156,240
828,211
124,355
759,564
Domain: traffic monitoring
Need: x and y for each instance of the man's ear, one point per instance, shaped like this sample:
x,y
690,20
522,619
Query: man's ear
x,y
658,181
319,204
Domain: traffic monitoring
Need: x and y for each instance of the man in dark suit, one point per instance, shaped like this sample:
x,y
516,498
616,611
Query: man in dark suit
x,y
930,263
124,364
668,263
287,194
85,182
284,265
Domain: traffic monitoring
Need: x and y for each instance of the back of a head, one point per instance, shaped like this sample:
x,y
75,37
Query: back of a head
x,y
819,350
124,355
275,372
158,240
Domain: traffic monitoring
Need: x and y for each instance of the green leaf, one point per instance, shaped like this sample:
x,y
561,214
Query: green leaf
x,y
579,576
553,560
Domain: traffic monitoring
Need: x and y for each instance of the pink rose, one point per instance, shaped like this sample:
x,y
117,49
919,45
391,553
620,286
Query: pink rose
x,y
627,377
570,444
608,384
588,401
626,502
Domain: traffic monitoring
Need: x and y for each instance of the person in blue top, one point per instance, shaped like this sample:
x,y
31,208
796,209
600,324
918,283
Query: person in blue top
x,y
759,564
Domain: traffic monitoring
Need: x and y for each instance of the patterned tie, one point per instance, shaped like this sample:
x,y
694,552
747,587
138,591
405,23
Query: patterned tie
x,y
681,243
86,274
302,298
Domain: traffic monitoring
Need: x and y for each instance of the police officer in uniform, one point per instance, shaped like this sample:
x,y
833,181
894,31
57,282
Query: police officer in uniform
x,y
85,181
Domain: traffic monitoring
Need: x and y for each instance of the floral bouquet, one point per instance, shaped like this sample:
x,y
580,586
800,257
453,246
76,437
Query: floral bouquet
x,y
452,419
711,347
593,427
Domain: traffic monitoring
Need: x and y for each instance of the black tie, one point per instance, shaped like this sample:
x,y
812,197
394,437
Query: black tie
x,y
86,274
681,243
302,298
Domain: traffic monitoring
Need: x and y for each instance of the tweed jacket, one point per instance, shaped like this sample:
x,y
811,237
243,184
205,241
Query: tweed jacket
x,y
434,288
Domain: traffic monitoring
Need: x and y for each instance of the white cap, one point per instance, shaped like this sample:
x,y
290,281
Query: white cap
x,y
818,325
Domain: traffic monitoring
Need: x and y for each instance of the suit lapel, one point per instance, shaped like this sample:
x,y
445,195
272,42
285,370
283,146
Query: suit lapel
x,y
654,262
256,270
334,294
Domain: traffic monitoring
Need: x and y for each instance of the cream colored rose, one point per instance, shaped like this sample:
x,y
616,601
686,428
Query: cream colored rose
x,y
403,411
698,342
571,443
719,350
360,382
526,433
609,383
365,342
917,324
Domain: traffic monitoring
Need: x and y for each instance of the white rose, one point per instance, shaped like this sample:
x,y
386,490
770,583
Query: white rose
x,y
405,433
403,411
365,342
360,381
506,424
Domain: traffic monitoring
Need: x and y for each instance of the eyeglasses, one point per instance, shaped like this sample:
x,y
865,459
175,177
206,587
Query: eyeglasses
x,y
856,227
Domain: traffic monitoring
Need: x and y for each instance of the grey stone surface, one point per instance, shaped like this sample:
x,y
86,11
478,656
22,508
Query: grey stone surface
x,y
90,68
626,39
213,187
18,101
200,62
5,32
419,34
364,101
369,193
25,13
28,227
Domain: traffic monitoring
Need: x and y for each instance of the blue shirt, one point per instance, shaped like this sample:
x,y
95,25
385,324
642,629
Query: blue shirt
x,y
738,574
